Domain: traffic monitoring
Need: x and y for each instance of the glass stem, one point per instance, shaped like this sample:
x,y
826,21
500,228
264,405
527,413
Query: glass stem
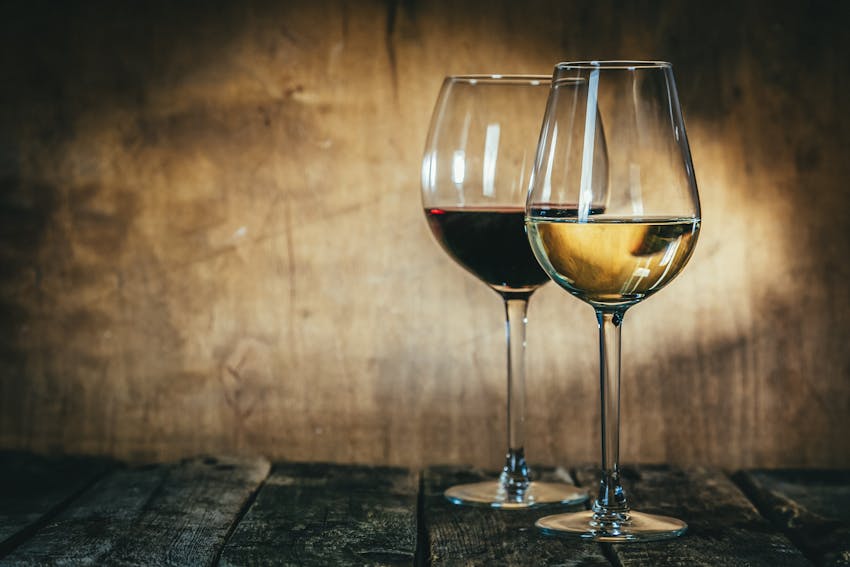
x,y
515,476
611,506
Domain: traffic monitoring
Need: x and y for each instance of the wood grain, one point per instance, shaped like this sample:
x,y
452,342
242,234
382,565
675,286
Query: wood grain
x,y
176,514
211,238
724,528
812,507
476,536
315,514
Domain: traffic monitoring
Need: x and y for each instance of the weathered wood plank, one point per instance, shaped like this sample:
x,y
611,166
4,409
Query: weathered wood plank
x,y
724,529
459,535
173,514
89,530
811,507
32,488
320,514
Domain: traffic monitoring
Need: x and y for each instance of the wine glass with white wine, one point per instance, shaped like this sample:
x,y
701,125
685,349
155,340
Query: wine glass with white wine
x,y
619,254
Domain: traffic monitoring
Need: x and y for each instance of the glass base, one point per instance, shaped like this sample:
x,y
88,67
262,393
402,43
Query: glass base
x,y
492,494
638,527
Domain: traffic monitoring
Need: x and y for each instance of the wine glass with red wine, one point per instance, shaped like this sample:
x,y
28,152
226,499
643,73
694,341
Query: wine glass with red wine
x,y
475,173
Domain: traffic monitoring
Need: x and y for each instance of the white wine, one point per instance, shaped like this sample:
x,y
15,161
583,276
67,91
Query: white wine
x,y
612,261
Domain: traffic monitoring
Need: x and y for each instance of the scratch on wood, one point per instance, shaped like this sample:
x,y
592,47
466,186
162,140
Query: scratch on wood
x,y
392,11
288,35
245,375
293,290
344,22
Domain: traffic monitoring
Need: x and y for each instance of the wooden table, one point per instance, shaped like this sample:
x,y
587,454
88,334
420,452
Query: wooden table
x,y
226,511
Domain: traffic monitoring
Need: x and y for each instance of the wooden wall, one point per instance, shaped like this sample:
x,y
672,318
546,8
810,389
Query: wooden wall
x,y
211,237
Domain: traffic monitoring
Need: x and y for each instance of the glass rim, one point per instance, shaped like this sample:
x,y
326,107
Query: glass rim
x,y
498,78
613,64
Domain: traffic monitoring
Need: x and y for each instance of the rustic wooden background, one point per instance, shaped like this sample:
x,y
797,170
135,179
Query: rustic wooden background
x,y
211,238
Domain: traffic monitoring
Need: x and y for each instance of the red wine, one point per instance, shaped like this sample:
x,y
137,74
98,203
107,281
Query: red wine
x,y
491,243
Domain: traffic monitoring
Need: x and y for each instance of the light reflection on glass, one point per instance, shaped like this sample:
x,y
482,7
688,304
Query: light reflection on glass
x,y
458,167
491,154
585,198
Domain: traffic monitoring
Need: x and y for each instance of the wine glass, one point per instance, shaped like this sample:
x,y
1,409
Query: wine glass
x,y
475,172
613,250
